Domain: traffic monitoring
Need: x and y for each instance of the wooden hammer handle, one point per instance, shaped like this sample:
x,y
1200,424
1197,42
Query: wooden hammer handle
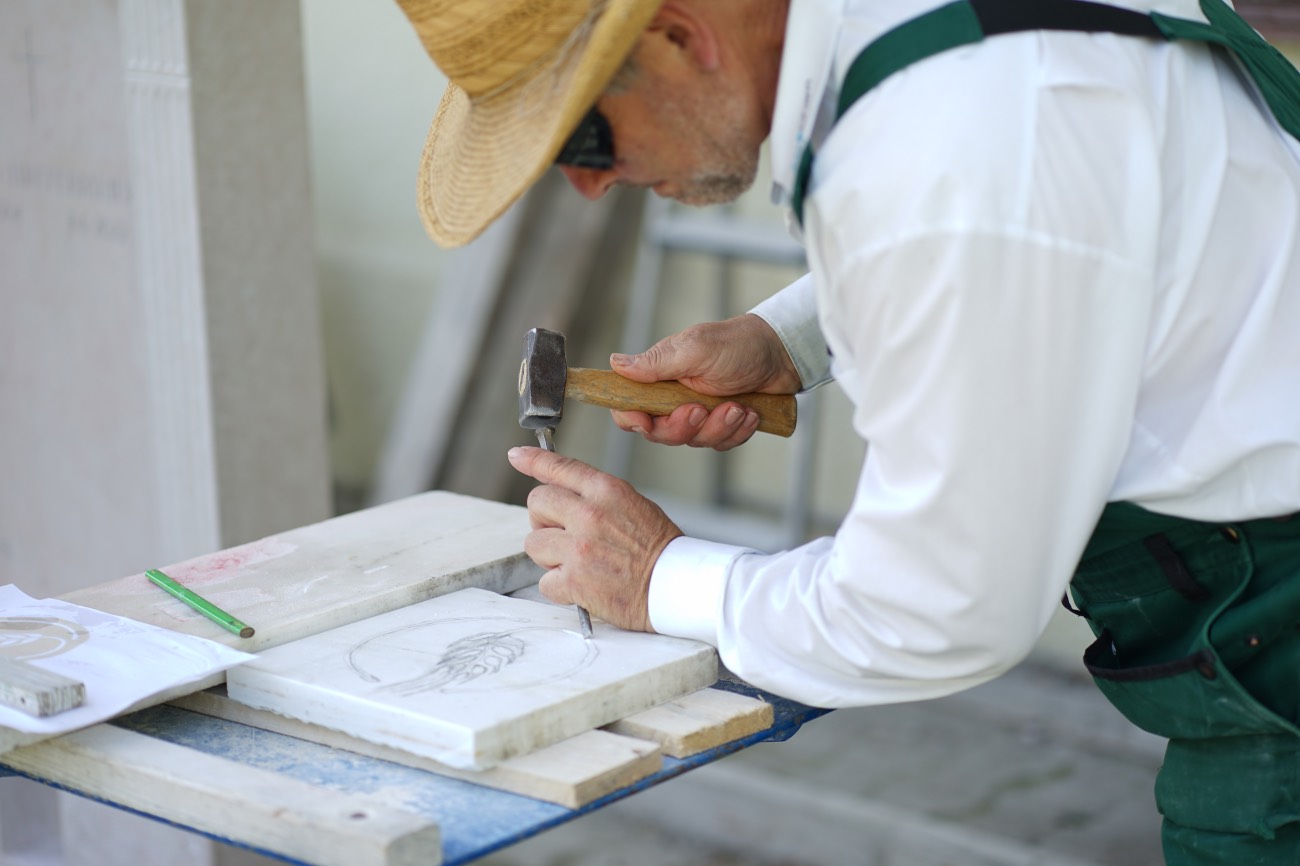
x,y
776,412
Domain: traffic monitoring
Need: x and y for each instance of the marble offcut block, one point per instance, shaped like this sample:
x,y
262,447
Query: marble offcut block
x,y
471,678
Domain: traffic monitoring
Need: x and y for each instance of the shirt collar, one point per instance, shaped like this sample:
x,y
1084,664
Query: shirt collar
x,y
822,38
805,64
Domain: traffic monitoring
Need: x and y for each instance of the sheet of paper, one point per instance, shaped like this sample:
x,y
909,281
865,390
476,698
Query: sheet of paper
x,y
121,661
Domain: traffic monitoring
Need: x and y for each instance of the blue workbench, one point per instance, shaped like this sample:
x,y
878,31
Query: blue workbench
x,y
297,800
474,820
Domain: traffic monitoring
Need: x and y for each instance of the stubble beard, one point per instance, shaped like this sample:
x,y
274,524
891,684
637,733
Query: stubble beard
x,y
730,161
718,188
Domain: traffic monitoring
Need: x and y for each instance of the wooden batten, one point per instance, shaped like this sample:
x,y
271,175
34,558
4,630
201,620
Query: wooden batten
x,y
570,773
697,722
266,810
35,691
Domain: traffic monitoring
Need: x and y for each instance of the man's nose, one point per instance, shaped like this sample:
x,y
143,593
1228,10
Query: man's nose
x,y
591,183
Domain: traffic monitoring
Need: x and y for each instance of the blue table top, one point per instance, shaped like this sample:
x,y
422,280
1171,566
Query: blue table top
x,y
474,820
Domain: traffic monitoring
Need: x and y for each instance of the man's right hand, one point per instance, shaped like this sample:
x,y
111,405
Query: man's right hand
x,y
736,356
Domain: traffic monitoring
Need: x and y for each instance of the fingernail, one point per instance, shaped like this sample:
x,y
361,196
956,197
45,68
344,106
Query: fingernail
x,y
513,453
751,419
640,430
618,360
734,415
697,416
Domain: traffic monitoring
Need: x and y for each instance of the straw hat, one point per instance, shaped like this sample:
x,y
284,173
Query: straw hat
x,y
522,75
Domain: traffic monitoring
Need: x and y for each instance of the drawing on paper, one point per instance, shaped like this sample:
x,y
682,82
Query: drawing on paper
x,y
39,637
429,657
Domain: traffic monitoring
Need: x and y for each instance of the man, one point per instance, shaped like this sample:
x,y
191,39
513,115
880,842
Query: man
x,y
1056,271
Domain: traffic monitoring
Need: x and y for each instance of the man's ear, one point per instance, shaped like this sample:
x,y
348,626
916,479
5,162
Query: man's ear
x,y
682,24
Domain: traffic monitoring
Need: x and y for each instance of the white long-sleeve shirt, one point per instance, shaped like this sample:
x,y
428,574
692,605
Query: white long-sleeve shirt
x,y
1052,270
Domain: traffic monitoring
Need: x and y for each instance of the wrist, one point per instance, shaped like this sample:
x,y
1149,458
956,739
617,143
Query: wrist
x,y
784,378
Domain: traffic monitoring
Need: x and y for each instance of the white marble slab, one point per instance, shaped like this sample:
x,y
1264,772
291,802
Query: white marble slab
x,y
471,678
318,577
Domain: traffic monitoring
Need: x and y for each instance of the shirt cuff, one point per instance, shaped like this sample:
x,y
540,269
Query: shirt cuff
x,y
792,313
687,586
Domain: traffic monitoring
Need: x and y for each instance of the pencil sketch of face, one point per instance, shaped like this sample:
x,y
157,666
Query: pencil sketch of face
x,y
470,654
39,637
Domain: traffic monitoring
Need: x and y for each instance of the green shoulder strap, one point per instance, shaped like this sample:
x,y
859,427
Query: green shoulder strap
x,y
965,22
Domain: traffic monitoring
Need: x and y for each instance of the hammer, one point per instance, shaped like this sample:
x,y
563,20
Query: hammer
x,y
541,402
545,380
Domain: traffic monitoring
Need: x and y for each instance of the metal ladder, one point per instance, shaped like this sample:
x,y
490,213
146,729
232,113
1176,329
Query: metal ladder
x,y
667,228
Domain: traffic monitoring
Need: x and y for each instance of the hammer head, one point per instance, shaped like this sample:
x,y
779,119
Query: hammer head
x,y
542,377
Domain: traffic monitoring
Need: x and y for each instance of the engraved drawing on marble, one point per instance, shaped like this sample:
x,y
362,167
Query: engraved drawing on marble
x,y
453,661
471,677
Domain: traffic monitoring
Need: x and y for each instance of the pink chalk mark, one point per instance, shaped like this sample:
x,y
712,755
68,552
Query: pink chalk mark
x,y
228,563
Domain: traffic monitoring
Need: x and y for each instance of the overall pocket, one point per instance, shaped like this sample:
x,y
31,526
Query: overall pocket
x,y
1197,642
1192,697
1154,605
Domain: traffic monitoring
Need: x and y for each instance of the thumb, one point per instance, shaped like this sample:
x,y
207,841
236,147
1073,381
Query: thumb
x,y
638,368
662,362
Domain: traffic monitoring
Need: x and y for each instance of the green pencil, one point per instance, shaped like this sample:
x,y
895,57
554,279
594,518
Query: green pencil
x,y
199,603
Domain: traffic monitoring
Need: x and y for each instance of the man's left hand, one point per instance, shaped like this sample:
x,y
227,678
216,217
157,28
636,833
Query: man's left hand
x,y
597,538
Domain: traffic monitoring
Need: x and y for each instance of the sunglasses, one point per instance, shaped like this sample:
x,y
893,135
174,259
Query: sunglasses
x,y
591,145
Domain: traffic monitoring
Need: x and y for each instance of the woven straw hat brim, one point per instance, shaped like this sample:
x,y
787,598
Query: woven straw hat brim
x,y
482,155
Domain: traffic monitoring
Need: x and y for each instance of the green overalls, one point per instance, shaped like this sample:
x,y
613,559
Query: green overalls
x,y
1198,625
1199,641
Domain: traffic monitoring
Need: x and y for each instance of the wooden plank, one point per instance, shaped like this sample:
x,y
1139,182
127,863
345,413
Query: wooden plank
x,y
471,678
571,773
697,722
338,571
254,807
35,691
